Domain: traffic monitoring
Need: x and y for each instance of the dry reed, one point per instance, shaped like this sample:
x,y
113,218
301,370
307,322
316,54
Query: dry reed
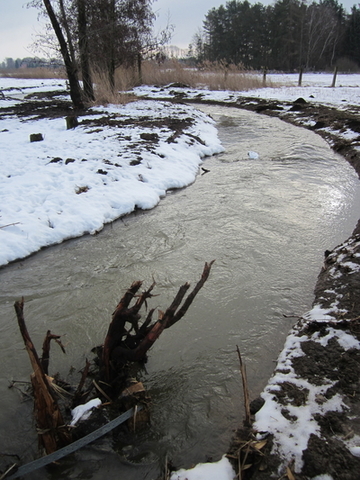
x,y
105,94
33,73
214,76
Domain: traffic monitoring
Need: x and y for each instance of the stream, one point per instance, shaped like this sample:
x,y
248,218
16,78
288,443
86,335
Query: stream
x,y
267,221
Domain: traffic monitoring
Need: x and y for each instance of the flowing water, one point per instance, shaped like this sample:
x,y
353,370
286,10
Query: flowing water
x,y
266,221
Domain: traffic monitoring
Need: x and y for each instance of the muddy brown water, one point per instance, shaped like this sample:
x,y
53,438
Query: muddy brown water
x,y
266,221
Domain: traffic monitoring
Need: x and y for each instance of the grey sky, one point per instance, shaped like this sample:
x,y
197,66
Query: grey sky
x,y
19,25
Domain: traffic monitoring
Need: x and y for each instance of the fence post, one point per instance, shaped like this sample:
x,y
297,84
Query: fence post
x,y
264,76
334,77
300,77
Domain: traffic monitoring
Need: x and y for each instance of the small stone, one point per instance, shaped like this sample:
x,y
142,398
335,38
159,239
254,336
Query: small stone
x,y
36,137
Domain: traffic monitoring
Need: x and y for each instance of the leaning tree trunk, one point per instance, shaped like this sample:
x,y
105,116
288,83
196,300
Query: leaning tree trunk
x,y
71,70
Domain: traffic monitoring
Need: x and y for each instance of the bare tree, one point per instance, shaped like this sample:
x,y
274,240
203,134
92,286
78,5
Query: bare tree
x,y
99,35
71,67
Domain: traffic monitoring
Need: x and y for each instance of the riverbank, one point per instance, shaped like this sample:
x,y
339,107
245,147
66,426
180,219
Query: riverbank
x,y
310,414
312,402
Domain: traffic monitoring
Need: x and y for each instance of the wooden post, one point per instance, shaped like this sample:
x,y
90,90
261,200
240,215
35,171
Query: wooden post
x,y
300,77
71,122
334,77
264,76
139,68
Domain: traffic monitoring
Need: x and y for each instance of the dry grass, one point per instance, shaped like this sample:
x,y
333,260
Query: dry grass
x,y
33,73
215,76
104,94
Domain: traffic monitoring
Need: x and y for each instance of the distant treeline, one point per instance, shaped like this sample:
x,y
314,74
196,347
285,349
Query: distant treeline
x,y
29,62
287,35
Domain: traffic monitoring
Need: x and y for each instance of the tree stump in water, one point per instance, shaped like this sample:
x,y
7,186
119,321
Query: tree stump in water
x,y
127,340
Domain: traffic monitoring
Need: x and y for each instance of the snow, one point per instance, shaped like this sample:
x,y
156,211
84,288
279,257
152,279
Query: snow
x,y
221,470
83,412
253,155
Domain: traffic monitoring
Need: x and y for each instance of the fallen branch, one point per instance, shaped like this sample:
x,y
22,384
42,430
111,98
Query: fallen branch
x,y
46,349
73,447
10,224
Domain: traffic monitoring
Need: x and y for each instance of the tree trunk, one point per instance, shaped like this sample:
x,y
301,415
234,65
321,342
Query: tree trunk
x,y
84,51
71,70
111,62
67,30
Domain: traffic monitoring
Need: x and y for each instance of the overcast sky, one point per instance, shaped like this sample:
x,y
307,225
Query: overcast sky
x,y
19,25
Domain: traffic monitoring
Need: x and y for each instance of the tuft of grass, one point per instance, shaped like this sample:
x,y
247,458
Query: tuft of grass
x,y
33,73
104,94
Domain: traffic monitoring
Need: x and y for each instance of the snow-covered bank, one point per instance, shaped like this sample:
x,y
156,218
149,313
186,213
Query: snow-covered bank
x,y
315,88
311,408
74,181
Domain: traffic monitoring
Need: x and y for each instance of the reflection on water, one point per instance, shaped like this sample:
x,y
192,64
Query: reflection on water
x,y
266,222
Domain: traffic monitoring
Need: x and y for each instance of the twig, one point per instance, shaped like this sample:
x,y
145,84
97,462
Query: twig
x,y
10,224
84,375
247,420
102,391
9,470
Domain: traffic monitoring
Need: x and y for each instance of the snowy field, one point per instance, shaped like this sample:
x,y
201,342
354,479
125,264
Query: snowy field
x,y
44,202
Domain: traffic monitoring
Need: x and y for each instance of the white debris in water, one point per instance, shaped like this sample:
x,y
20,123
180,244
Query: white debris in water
x,y
83,412
221,470
323,477
253,155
